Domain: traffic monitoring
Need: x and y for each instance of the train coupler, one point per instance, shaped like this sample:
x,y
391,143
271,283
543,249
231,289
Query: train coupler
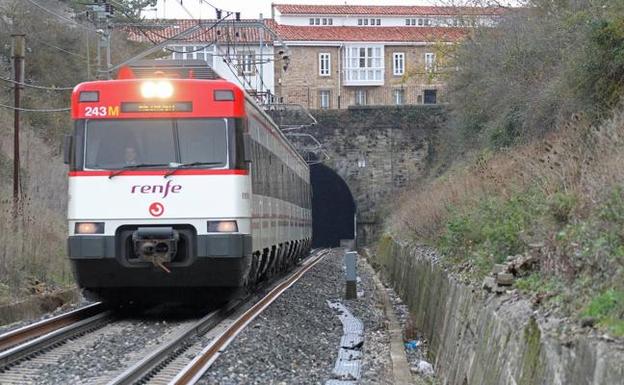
x,y
157,245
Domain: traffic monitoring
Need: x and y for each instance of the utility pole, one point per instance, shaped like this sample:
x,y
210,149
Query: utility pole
x,y
19,50
102,11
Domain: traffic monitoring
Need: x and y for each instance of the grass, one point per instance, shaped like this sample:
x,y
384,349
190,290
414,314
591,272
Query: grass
x,y
608,309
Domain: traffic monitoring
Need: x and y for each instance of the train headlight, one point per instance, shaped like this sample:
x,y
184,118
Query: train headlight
x,y
222,227
157,89
89,228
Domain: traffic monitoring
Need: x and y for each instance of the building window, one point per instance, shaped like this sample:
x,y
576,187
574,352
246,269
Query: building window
x,y
311,21
431,96
398,66
246,63
364,65
317,21
430,62
399,97
324,99
407,21
365,21
324,21
360,97
360,22
191,52
330,21
378,21
324,64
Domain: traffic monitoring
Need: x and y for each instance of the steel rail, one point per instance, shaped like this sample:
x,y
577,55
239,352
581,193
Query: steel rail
x,y
28,332
155,361
200,364
171,349
43,342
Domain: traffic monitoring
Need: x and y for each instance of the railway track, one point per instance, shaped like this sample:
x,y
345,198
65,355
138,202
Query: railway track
x,y
164,367
168,363
29,340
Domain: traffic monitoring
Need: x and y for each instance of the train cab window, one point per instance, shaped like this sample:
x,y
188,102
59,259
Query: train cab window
x,y
203,140
113,144
118,143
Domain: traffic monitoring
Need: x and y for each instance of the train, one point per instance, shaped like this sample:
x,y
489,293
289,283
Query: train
x,y
180,187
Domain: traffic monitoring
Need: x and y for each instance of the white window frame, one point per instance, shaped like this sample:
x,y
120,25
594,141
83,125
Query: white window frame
x,y
430,62
324,99
361,96
324,64
181,52
399,96
364,65
398,63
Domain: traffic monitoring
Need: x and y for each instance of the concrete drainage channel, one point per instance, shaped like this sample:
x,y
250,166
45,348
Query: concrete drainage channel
x,y
349,363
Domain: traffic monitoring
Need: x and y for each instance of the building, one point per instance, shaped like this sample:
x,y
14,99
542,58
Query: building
x,y
240,51
329,56
345,55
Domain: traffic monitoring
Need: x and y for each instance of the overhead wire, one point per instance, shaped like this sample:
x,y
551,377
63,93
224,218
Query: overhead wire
x,y
57,48
33,2
35,110
36,86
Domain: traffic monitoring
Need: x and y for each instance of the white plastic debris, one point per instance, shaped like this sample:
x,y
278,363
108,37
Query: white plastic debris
x,y
423,368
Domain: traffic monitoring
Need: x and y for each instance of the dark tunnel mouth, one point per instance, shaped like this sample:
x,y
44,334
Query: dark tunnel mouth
x,y
333,207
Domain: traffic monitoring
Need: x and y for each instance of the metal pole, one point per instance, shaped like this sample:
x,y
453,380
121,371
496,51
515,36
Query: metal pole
x,y
18,76
108,52
88,59
261,82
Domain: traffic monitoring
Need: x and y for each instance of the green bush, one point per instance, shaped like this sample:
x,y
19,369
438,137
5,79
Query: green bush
x,y
491,231
608,309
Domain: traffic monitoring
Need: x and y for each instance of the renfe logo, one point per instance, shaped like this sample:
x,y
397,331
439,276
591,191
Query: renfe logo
x,y
156,209
156,189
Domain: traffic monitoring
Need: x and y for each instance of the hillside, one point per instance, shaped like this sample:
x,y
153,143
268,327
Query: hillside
x,y
541,132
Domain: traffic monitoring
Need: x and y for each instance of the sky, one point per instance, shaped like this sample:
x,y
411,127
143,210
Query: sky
x,y
252,8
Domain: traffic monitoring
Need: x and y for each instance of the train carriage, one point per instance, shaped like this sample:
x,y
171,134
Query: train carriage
x,y
179,185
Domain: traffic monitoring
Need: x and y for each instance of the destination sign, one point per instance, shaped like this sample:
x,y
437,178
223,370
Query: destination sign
x,y
161,106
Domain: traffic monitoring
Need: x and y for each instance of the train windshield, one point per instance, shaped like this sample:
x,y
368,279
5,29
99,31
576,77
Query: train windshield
x,y
120,143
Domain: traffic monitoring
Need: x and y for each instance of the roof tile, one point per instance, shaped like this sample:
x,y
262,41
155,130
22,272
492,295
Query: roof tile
x,y
383,10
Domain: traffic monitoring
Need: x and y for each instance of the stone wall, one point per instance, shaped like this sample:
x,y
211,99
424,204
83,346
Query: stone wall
x,y
301,83
483,339
377,151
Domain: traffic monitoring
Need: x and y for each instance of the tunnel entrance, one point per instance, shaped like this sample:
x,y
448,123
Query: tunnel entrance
x,y
333,207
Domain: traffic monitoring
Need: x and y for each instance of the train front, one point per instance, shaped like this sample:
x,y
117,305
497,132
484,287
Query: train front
x,y
159,192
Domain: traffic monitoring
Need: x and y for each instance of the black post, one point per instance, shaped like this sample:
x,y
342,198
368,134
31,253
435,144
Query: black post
x,y
18,77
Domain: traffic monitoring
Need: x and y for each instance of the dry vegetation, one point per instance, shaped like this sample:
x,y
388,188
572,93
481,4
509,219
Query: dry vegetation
x,y
542,166
32,244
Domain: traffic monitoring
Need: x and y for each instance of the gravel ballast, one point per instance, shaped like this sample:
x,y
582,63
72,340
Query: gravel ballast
x,y
296,339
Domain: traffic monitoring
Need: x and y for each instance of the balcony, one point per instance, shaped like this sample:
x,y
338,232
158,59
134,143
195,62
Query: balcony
x,y
364,65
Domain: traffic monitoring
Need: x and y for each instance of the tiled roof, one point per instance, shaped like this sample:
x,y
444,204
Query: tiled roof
x,y
228,33
370,34
225,32
383,10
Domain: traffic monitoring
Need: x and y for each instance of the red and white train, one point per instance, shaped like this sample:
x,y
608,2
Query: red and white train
x,y
179,186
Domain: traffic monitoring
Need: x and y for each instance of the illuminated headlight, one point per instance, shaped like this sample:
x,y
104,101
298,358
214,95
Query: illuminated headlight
x,y
157,89
89,228
222,227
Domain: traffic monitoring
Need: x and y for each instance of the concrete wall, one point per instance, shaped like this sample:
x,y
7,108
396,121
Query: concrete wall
x,y
482,339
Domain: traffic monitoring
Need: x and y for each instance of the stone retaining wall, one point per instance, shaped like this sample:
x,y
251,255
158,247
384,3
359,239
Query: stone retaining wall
x,y
478,338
